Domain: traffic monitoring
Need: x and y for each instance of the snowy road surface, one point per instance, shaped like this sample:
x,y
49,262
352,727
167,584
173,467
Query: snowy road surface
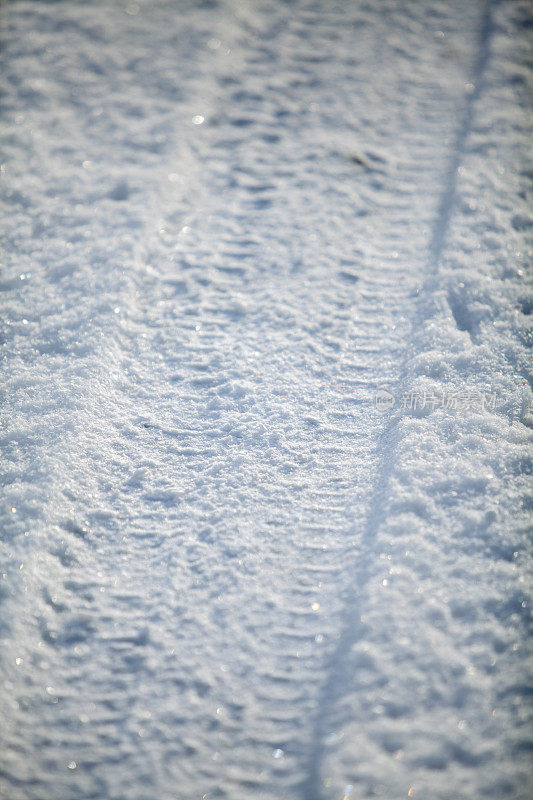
x,y
225,572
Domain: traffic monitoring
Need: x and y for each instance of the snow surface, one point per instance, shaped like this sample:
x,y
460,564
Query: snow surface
x,y
225,574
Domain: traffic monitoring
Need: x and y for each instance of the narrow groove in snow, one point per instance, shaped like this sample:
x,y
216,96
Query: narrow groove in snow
x,y
475,88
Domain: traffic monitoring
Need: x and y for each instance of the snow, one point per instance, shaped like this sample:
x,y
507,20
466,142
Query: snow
x,y
225,572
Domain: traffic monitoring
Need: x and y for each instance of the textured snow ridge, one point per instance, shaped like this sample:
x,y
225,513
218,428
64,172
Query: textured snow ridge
x,y
225,574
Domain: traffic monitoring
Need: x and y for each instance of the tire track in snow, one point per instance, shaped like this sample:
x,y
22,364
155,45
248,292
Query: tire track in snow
x,y
327,511
338,669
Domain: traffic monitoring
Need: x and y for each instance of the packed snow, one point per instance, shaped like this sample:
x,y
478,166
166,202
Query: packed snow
x,y
266,427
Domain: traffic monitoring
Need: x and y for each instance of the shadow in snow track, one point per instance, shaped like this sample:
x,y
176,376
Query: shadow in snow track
x,y
447,199
337,668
